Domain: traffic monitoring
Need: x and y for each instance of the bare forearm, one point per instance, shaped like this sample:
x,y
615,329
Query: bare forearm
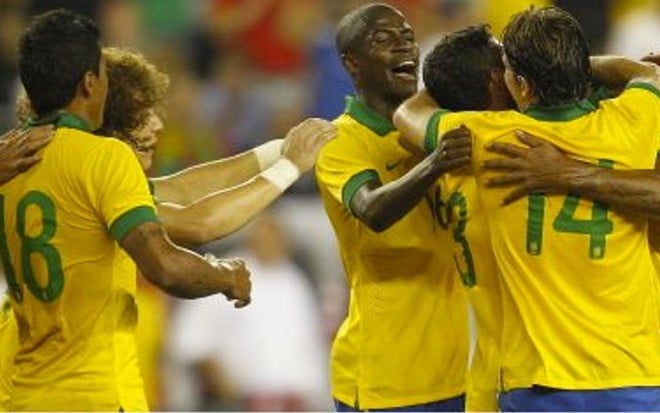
x,y
193,183
218,214
384,206
412,117
617,71
176,271
637,191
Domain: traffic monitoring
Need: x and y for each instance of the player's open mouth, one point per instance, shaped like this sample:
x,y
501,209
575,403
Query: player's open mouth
x,y
406,70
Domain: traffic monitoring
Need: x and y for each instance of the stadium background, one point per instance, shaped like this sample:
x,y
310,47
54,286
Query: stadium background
x,y
244,71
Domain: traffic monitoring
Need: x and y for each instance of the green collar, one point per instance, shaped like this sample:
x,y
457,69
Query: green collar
x,y
562,113
62,120
365,115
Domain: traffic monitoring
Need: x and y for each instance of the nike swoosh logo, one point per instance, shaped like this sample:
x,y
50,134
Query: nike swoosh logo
x,y
391,165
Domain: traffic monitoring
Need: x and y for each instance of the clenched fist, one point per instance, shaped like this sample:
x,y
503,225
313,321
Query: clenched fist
x,y
239,276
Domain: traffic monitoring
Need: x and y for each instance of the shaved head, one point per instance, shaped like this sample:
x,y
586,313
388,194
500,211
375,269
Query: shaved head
x,y
353,27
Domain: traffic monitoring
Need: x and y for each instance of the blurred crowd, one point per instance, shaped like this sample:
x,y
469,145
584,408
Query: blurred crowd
x,y
243,72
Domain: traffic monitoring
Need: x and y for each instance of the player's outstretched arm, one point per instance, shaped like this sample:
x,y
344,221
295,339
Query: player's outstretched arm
x,y
193,183
618,71
183,273
541,167
18,150
198,181
412,118
221,213
380,206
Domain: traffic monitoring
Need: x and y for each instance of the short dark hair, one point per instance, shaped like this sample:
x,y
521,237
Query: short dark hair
x,y
457,71
548,47
352,28
55,51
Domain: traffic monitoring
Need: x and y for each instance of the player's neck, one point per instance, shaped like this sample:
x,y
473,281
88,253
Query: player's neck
x,y
80,110
381,106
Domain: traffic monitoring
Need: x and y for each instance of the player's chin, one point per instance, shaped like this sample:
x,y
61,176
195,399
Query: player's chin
x,y
403,87
146,159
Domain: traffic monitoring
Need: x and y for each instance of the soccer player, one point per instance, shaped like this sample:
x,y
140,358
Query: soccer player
x,y
580,320
63,222
136,91
207,201
404,343
19,150
464,71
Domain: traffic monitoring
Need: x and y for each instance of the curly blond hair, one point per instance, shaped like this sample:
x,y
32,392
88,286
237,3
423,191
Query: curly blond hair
x,y
135,87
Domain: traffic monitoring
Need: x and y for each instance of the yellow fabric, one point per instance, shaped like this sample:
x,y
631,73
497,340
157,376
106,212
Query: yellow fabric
x,y
576,316
151,329
405,339
476,267
497,13
8,348
77,349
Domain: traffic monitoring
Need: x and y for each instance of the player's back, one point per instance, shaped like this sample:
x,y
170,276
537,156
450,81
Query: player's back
x,y
579,305
61,263
476,267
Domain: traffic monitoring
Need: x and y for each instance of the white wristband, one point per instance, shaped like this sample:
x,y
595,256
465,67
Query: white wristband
x,y
282,174
268,153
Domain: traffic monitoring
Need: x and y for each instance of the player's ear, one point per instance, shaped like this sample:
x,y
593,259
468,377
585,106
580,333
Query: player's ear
x,y
526,87
88,83
350,63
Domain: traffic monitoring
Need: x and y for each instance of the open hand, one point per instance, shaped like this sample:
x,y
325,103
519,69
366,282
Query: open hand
x,y
18,150
304,142
535,167
455,149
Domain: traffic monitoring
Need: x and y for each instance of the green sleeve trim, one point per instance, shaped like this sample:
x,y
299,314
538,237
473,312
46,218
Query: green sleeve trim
x,y
131,219
647,86
152,189
431,136
354,183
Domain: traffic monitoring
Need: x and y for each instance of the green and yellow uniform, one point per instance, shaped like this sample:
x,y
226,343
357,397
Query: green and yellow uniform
x,y
72,287
579,305
475,264
405,339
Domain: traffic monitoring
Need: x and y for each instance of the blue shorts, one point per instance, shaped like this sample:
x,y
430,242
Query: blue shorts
x,y
545,399
455,404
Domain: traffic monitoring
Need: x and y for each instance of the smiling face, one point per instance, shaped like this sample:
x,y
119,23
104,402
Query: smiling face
x,y
386,60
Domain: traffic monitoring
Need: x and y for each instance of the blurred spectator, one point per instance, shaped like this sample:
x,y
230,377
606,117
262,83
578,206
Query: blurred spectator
x,y
151,329
273,351
11,23
329,81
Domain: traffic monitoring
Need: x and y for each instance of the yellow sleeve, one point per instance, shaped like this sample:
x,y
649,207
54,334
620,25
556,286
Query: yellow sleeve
x,y
443,121
343,168
640,105
117,188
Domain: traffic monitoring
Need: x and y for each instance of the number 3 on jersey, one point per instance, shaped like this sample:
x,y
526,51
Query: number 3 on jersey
x,y
457,210
598,227
30,245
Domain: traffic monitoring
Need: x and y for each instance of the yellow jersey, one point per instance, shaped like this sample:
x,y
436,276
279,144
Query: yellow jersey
x,y
72,286
8,348
475,265
578,292
405,339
